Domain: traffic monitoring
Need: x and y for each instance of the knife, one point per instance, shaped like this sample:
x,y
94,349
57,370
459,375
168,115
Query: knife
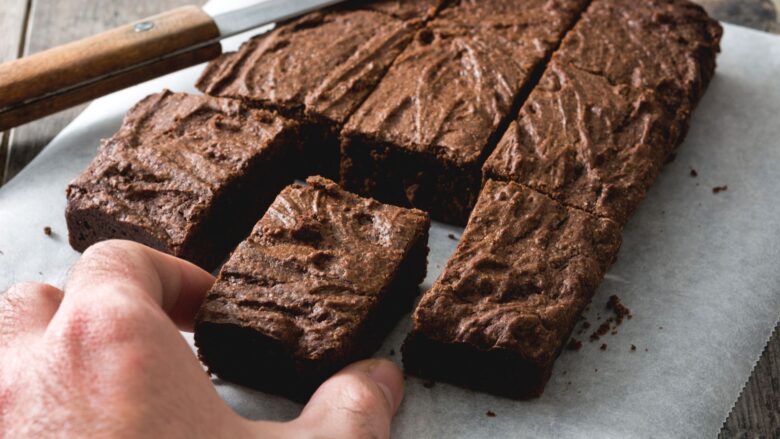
x,y
65,76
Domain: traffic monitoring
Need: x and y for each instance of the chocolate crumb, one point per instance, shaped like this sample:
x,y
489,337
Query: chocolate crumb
x,y
694,174
452,237
596,370
428,384
633,348
660,327
719,189
568,383
586,324
645,349
671,158
574,345
490,414
392,352
47,231
603,347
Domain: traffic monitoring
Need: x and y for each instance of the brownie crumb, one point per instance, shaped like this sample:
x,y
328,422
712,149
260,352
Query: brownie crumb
x,y
452,237
428,384
633,348
719,189
671,158
47,231
611,324
568,383
694,173
645,349
660,327
574,345
603,347
490,414
1,252
586,324
392,352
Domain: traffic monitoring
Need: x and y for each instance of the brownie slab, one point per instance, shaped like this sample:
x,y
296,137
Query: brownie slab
x,y
318,284
185,174
316,69
421,137
611,107
507,300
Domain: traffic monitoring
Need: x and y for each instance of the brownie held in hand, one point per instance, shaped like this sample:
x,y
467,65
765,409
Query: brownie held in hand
x,y
318,284
498,316
185,174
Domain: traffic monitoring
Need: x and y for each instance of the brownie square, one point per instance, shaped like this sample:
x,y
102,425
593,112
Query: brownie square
x,y
187,175
586,142
316,69
318,284
611,107
421,137
668,46
498,316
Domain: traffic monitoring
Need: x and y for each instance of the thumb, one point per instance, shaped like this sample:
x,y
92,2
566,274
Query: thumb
x,y
357,402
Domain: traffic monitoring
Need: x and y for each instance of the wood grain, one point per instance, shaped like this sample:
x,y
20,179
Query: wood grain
x,y
12,25
54,22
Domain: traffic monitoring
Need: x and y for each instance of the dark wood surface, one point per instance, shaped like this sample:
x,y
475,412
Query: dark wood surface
x,y
29,26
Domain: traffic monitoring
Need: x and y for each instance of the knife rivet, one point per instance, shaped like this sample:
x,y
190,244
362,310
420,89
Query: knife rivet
x,y
143,26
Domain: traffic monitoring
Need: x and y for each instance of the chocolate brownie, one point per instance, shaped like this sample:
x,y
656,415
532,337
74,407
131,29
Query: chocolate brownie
x,y
421,137
185,174
316,69
664,45
508,299
410,10
612,105
318,284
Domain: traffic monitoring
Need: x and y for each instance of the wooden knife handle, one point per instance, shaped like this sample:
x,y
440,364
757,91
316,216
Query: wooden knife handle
x,y
58,78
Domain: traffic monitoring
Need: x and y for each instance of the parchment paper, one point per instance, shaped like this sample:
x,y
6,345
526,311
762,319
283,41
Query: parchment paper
x,y
703,267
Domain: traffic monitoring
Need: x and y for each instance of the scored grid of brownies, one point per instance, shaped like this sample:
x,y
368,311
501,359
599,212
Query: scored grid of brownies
x,y
316,69
318,284
507,300
629,74
613,104
421,137
188,175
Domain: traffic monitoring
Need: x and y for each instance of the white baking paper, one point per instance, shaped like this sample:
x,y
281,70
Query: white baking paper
x,y
700,271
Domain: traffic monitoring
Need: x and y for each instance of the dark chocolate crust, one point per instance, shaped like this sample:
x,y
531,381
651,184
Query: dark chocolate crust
x,y
185,174
421,137
417,11
316,69
611,107
509,297
318,284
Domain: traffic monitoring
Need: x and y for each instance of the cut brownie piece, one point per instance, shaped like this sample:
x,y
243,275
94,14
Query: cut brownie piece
x,y
664,45
586,143
508,299
316,69
321,280
614,102
421,137
185,174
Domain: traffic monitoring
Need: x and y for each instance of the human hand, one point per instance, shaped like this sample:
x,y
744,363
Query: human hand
x,y
104,358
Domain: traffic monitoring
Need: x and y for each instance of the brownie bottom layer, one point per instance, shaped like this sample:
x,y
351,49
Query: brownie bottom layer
x,y
391,175
499,372
246,357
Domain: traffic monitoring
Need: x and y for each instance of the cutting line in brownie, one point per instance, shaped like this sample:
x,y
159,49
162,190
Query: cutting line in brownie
x,y
185,174
319,283
316,69
498,316
613,104
422,135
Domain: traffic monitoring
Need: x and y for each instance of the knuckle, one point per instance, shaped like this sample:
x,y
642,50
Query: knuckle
x,y
98,324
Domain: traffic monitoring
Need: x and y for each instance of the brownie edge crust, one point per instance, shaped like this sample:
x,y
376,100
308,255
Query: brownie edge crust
x,y
498,316
319,283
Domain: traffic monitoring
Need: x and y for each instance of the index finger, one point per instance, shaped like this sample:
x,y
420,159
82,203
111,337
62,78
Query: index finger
x,y
137,271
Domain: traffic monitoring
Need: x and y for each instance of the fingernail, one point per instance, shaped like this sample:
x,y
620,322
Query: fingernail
x,y
387,377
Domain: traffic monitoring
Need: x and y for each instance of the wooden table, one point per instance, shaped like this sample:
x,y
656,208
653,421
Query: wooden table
x,y
28,26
